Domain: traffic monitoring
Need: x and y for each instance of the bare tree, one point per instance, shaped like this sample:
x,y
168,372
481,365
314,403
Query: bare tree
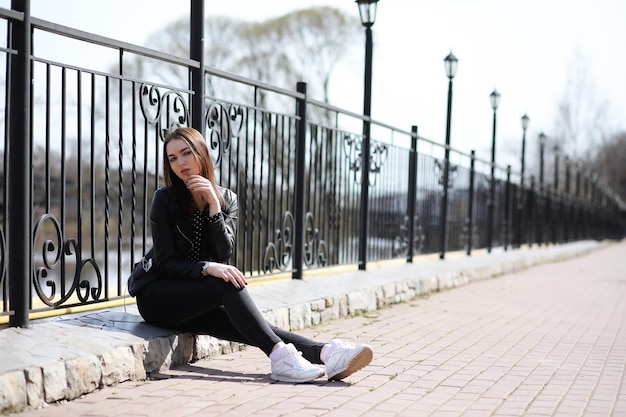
x,y
582,118
304,45
315,40
609,163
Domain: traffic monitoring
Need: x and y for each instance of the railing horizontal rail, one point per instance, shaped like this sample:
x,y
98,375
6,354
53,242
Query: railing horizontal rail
x,y
103,41
11,14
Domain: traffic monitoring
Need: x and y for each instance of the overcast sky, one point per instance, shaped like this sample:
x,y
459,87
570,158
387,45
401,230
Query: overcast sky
x,y
523,49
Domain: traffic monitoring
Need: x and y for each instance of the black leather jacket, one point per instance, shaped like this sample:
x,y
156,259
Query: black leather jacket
x,y
172,233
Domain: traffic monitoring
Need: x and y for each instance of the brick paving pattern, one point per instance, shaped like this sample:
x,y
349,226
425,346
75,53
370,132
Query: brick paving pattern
x,y
548,341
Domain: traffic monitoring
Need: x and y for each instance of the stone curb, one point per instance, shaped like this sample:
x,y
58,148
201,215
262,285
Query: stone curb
x,y
139,358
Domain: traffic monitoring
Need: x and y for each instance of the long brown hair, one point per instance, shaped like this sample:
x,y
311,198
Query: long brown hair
x,y
200,151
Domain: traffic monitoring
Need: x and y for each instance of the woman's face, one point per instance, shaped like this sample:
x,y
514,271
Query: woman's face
x,y
182,160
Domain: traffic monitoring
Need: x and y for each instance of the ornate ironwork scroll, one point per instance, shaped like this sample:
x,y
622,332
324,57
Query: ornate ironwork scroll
x,y
278,253
353,149
464,236
400,245
378,156
50,268
452,172
224,123
315,249
163,109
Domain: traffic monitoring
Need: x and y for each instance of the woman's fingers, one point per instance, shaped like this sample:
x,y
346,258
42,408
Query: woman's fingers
x,y
233,275
198,182
237,278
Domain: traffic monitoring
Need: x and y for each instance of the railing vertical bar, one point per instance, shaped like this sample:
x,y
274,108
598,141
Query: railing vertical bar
x,y
317,206
277,182
107,192
262,233
5,157
47,136
79,157
534,193
411,194
470,208
299,192
268,141
345,221
320,184
278,211
327,221
196,52
288,204
334,230
62,208
245,199
144,235
120,179
92,171
311,201
18,173
238,188
133,208
253,182
507,208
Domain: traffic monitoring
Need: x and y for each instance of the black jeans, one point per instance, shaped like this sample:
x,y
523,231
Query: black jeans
x,y
214,307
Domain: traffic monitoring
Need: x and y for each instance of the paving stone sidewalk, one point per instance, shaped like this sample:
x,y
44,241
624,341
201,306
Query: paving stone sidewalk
x,y
546,341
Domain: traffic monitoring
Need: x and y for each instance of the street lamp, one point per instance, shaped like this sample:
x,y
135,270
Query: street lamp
x,y
367,12
495,100
521,202
450,63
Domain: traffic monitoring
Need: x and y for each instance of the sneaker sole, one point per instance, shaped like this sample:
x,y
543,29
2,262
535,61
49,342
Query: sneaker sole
x,y
282,378
358,362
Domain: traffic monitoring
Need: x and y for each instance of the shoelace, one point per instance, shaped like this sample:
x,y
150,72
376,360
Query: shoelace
x,y
346,345
296,358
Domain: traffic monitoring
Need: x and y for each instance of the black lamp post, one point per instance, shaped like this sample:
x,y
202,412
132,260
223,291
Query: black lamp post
x,y
521,201
525,120
367,11
495,100
450,63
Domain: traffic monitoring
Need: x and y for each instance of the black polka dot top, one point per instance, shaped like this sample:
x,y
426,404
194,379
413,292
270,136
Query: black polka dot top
x,y
197,220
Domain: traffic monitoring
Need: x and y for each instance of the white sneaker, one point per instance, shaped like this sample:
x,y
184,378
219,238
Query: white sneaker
x,y
292,367
345,358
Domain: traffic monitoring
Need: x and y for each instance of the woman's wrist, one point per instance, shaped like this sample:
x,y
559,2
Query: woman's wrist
x,y
213,209
205,268
212,201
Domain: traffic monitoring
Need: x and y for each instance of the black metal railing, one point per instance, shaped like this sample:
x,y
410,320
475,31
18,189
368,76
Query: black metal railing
x,y
93,138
